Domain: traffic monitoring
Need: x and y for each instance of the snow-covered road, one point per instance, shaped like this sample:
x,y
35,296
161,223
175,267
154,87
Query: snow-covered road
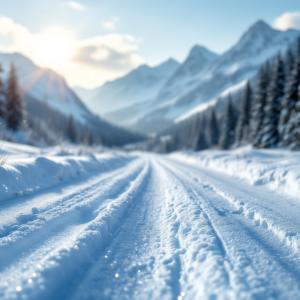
x,y
152,227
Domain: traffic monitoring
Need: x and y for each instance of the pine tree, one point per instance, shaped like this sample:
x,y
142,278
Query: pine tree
x,y
71,132
91,139
289,101
243,128
295,145
270,133
289,62
191,139
213,129
228,127
2,98
15,104
267,70
259,101
201,141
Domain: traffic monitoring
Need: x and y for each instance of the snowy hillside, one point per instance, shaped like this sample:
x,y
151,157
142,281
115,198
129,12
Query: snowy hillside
x,y
206,225
45,85
242,61
49,99
140,85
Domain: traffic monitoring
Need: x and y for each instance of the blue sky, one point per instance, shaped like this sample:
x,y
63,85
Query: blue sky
x,y
151,31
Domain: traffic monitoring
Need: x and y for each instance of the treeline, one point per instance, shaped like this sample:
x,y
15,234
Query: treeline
x,y
53,127
268,117
12,108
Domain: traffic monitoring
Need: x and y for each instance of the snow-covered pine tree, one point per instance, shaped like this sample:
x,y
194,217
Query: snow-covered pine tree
x,y
213,129
227,136
259,101
2,98
289,101
242,135
71,132
267,70
15,105
270,133
288,62
201,142
191,139
295,145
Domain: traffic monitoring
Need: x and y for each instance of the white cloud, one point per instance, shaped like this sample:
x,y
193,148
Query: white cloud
x,y
288,20
110,52
109,25
76,5
87,62
13,31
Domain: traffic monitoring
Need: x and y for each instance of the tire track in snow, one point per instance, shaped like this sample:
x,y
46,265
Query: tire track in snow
x,y
169,234
204,274
51,264
243,205
270,215
66,209
17,212
254,245
144,271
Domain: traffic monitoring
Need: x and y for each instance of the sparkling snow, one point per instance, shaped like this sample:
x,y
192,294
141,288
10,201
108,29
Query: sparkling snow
x,y
207,225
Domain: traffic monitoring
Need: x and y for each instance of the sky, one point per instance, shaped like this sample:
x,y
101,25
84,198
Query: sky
x,y
92,41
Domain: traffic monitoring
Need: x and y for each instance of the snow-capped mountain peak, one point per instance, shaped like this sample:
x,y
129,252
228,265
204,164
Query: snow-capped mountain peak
x,y
261,35
187,75
198,58
259,28
201,52
44,84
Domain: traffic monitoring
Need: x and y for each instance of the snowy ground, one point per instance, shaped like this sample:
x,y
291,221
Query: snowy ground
x,y
210,225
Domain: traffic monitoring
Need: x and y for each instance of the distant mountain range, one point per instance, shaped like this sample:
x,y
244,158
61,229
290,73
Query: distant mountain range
x,y
134,91
44,87
151,99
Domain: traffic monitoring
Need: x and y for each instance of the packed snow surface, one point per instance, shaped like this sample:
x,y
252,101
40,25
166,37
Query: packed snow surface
x,y
207,225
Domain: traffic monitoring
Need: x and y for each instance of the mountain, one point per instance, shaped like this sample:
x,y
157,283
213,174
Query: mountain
x,y
200,79
47,93
188,74
242,61
140,85
125,100
45,85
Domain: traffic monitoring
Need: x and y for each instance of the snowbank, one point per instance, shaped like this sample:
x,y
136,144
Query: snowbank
x,y
23,176
278,169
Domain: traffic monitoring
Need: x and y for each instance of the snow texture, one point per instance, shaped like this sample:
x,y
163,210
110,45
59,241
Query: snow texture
x,y
206,225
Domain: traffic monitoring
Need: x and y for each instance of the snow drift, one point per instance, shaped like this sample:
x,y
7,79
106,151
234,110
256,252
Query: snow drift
x,y
277,169
23,176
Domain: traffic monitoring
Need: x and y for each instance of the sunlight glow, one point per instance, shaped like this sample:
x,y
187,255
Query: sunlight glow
x,y
54,48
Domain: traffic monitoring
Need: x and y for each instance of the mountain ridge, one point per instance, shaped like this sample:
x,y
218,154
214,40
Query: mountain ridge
x,y
240,62
136,87
143,98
